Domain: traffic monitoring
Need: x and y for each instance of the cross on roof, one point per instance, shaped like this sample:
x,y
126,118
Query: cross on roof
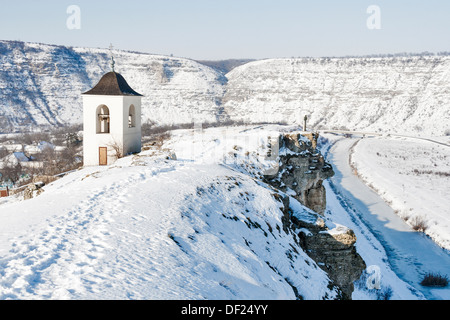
x,y
112,63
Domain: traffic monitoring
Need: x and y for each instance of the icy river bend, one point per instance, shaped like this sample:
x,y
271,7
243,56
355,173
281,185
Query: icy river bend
x,y
410,254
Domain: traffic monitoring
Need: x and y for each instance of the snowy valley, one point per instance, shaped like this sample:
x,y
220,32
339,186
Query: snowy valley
x,y
192,218
230,199
397,94
413,177
155,227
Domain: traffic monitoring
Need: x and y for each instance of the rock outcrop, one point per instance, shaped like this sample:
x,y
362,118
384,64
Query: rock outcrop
x,y
302,170
333,248
32,190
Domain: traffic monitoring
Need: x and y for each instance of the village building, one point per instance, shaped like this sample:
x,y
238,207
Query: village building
x,y
111,120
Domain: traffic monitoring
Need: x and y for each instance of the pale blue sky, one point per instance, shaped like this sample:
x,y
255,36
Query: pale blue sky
x,y
211,29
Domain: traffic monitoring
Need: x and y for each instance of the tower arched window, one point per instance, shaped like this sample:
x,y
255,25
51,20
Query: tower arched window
x,y
103,119
132,117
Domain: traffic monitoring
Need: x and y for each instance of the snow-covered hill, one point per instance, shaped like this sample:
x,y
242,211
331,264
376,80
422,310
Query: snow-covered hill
x,y
199,226
151,228
397,94
41,85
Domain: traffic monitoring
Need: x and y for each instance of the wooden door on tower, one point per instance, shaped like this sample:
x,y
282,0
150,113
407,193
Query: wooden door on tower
x,y
103,156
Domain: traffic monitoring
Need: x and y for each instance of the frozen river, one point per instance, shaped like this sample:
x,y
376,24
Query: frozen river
x,y
410,254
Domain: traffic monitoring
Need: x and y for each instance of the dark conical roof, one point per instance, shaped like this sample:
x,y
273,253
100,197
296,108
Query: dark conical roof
x,y
112,84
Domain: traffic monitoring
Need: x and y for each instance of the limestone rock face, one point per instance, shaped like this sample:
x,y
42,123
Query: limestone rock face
x,y
302,170
34,189
334,251
28,192
31,190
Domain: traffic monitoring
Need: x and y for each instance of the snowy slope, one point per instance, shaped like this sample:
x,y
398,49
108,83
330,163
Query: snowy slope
x,y
413,177
199,227
399,94
41,84
149,228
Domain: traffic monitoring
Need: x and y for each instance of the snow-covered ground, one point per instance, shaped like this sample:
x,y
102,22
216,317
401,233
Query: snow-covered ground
x,y
249,149
151,228
384,239
198,227
413,176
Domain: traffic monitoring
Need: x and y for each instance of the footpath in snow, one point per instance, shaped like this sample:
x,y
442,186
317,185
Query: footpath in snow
x,y
151,228
200,227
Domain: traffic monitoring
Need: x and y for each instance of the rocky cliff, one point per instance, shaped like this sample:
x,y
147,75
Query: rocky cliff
x,y
301,172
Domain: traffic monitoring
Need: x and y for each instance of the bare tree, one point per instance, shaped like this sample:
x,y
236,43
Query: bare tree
x,y
67,159
11,172
3,152
117,147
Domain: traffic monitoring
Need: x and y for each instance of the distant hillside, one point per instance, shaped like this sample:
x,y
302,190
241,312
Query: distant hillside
x,y
225,66
41,85
409,94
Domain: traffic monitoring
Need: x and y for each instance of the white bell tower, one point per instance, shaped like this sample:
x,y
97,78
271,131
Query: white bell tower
x,y
111,120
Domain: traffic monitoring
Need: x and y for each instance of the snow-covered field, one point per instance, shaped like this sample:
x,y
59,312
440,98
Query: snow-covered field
x,y
199,226
384,240
413,177
151,228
